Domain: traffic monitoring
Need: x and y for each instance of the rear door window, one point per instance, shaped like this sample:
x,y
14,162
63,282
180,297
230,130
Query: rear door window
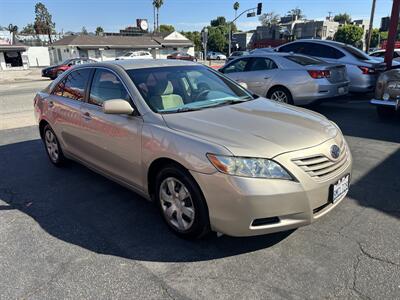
x,y
73,86
260,64
304,60
294,47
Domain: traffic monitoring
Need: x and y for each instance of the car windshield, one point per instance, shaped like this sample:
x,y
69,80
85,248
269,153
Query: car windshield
x,y
304,60
185,88
129,54
357,53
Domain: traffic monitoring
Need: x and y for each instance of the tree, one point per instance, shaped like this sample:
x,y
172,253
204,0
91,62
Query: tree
x,y
157,5
219,21
296,13
43,21
99,30
84,31
195,37
349,34
165,28
269,19
236,6
377,37
13,29
217,39
28,29
342,18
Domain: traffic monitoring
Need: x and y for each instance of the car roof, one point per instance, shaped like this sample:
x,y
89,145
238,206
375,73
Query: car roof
x,y
130,64
326,42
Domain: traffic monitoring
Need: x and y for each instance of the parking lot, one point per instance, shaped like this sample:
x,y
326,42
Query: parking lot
x,y
70,233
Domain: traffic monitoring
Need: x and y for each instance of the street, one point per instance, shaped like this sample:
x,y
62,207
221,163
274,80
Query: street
x,y
70,233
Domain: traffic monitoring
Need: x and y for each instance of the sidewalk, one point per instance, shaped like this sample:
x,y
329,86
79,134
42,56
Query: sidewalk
x,y
32,74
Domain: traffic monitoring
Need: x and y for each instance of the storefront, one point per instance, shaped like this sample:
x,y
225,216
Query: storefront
x,y
12,53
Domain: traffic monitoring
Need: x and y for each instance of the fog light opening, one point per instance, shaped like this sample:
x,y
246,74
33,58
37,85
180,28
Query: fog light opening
x,y
265,221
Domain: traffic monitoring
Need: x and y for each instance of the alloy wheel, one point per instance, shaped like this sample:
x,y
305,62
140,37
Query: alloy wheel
x,y
51,145
177,204
279,96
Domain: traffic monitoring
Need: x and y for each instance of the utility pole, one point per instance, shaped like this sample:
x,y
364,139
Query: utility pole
x,y
371,23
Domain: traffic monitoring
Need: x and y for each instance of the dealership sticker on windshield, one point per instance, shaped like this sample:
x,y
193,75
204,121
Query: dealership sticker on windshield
x,y
340,188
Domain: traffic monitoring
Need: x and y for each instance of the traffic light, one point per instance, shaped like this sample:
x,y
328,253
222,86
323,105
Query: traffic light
x,y
259,8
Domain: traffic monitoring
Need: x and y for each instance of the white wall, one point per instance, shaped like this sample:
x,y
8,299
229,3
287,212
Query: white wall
x,y
38,56
2,61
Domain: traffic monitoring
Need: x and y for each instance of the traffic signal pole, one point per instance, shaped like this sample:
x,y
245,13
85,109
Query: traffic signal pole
x,y
394,21
258,9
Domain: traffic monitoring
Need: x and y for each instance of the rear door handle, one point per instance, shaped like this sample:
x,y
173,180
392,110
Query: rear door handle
x,y
267,77
86,116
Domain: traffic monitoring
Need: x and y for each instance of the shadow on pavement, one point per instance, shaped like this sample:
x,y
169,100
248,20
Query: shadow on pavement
x,y
359,119
80,207
380,187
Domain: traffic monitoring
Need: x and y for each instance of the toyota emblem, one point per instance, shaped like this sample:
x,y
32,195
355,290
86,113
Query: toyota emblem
x,y
335,151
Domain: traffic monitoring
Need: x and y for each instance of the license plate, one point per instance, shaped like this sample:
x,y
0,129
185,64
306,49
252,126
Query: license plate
x,y
342,90
340,188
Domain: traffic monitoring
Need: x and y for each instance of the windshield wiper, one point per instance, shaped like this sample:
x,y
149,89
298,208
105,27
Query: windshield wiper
x,y
182,109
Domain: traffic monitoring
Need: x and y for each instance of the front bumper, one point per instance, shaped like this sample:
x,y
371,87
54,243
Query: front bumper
x,y
395,104
235,203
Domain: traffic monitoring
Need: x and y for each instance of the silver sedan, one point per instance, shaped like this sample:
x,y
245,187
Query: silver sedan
x,y
289,78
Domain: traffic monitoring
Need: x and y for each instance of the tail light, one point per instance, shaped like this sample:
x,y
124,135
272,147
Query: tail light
x,y
318,74
367,70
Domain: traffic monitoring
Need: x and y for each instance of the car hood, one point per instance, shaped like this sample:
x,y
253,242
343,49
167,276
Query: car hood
x,y
257,128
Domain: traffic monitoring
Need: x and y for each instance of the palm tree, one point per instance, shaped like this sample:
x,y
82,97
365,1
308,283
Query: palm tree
x,y
236,7
157,4
13,29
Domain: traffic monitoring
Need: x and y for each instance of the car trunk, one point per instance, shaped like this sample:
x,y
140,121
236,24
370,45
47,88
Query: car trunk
x,y
338,73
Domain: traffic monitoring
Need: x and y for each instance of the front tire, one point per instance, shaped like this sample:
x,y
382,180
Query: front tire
x,y
52,146
181,203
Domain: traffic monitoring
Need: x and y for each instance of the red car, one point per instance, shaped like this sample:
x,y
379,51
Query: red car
x,y
181,56
54,71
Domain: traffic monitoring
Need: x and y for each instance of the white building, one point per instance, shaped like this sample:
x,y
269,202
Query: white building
x,y
12,54
104,48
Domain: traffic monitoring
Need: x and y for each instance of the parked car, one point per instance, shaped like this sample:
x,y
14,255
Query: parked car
x,y
236,54
209,153
136,55
381,54
289,78
53,72
181,56
387,93
262,50
363,70
216,55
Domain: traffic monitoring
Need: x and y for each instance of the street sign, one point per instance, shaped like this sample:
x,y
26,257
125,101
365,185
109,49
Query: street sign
x,y
251,14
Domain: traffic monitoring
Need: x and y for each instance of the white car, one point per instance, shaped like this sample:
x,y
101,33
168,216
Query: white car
x,y
136,55
216,55
381,54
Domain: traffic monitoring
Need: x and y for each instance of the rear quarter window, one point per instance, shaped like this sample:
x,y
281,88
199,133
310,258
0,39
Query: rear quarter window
x,y
304,60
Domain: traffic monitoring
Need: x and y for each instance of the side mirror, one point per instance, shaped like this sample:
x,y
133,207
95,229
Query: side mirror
x,y
243,84
117,107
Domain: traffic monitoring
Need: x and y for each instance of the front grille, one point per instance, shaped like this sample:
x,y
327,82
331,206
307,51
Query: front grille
x,y
320,166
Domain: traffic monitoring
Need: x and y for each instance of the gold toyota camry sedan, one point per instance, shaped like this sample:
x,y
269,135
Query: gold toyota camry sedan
x,y
210,154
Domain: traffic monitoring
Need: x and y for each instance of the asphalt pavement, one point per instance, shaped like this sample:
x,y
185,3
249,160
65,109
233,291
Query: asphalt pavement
x,y
70,233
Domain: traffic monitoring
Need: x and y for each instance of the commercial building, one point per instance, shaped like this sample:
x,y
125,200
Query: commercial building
x,y
12,52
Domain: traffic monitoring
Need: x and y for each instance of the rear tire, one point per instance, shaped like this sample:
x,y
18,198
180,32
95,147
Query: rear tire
x,y
280,94
53,148
181,203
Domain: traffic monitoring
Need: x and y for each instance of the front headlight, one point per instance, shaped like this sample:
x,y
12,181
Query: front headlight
x,y
249,167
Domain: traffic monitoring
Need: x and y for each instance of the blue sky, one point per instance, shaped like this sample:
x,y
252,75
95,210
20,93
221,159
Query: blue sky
x,y
113,15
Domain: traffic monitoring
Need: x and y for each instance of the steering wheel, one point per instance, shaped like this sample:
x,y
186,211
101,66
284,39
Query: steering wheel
x,y
202,94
